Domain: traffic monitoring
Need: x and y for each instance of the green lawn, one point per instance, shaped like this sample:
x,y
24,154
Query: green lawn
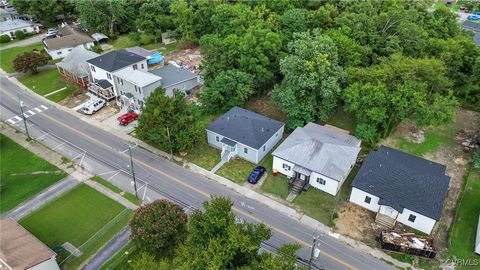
x,y
7,56
15,159
59,96
112,187
44,82
203,154
343,120
441,136
463,230
124,41
76,217
276,185
316,204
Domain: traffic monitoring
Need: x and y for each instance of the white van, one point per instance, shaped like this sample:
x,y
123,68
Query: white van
x,y
94,105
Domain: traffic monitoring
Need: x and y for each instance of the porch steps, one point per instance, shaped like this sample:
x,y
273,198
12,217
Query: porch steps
x,y
385,221
297,186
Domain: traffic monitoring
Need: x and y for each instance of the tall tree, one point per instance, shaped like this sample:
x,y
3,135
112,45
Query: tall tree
x,y
310,87
230,88
159,228
184,20
155,17
169,122
44,10
398,88
108,16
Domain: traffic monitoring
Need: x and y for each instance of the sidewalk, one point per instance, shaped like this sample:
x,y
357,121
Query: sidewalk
x,y
304,219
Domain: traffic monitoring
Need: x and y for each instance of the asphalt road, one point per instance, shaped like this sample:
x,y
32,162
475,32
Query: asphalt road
x,y
104,154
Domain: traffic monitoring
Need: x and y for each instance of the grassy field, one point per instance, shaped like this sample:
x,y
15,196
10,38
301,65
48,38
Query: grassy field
x,y
316,204
59,96
76,217
127,195
15,159
124,41
44,82
7,56
121,259
463,230
239,169
343,120
276,185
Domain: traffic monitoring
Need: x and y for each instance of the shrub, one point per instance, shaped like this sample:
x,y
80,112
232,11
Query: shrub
x,y
134,36
19,34
4,39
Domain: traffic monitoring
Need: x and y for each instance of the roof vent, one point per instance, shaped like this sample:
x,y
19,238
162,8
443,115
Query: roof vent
x,y
262,129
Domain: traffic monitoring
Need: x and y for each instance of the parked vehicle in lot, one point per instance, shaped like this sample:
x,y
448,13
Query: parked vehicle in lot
x,y
473,17
256,175
125,119
94,105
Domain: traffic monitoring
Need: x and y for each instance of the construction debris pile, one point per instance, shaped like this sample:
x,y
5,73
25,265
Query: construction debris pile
x,y
408,243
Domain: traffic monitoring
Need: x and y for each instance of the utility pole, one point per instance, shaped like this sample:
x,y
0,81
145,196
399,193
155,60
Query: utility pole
x,y
315,252
23,116
133,172
170,142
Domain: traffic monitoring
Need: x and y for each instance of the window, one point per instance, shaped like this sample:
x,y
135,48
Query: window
x,y
217,138
109,76
70,49
245,150
139,90
118,80
135,88
92,68
286,166
135,67
142,66
368,199
24,30
321,181
412,218
264,148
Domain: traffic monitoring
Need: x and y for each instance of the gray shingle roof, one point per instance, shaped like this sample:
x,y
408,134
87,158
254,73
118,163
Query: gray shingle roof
x,y
245,127
76,61
320,149
115,60
402,180
172,74
12,25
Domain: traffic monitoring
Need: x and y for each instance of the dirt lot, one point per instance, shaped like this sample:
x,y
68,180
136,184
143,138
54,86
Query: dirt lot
x,y
74,100
188,58
359,223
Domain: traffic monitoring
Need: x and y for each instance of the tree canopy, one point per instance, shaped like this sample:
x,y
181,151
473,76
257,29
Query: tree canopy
x,y
29,62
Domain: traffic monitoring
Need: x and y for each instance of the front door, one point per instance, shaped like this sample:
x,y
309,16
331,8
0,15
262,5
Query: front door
x,y
231,148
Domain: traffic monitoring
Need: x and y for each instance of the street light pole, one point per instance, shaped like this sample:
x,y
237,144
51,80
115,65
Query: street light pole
x,y
133,171
23,116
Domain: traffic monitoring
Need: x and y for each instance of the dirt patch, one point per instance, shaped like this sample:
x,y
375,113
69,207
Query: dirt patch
x,y
356,222
73,100
190,58
107,112
265,106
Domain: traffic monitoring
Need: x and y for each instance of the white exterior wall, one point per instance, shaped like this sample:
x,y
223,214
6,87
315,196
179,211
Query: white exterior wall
x,y
61,53
250,156
270,144
477,242
331,186
27,29
46,265
278,166
422,223
358,197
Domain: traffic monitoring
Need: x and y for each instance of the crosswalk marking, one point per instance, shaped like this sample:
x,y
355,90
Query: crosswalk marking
x,y
17,118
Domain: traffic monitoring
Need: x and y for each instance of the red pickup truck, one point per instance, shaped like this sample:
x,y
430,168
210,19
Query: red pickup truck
x,y
127,118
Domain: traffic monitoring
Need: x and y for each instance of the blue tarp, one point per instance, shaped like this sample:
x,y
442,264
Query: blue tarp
x,y
155,59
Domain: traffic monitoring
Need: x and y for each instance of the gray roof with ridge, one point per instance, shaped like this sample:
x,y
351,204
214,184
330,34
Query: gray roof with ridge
x,y
402,180
320,149
245,127
115,60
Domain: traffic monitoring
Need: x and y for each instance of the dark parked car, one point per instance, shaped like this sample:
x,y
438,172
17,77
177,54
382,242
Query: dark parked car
x,y
256,174
127,118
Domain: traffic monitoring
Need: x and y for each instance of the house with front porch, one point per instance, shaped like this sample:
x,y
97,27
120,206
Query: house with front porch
x,y
400,187
74,67
245,134
316,156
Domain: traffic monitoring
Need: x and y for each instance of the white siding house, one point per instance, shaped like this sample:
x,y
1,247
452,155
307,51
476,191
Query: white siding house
x,y
316,156
401,188
245,134
69,38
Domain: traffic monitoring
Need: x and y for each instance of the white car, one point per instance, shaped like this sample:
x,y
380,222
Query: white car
x,y
93,106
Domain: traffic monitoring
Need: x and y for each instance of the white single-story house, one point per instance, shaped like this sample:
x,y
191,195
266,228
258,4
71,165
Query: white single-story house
x,y
243,133
8,27
401,187
21,250
317,156
70,37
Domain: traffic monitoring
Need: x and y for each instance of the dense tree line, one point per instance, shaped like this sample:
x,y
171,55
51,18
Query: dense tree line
x,y
309,54
212,239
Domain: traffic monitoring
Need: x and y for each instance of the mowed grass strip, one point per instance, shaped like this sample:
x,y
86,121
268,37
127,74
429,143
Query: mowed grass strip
x,y
7,55
23,174
127,195
74,217
44,82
